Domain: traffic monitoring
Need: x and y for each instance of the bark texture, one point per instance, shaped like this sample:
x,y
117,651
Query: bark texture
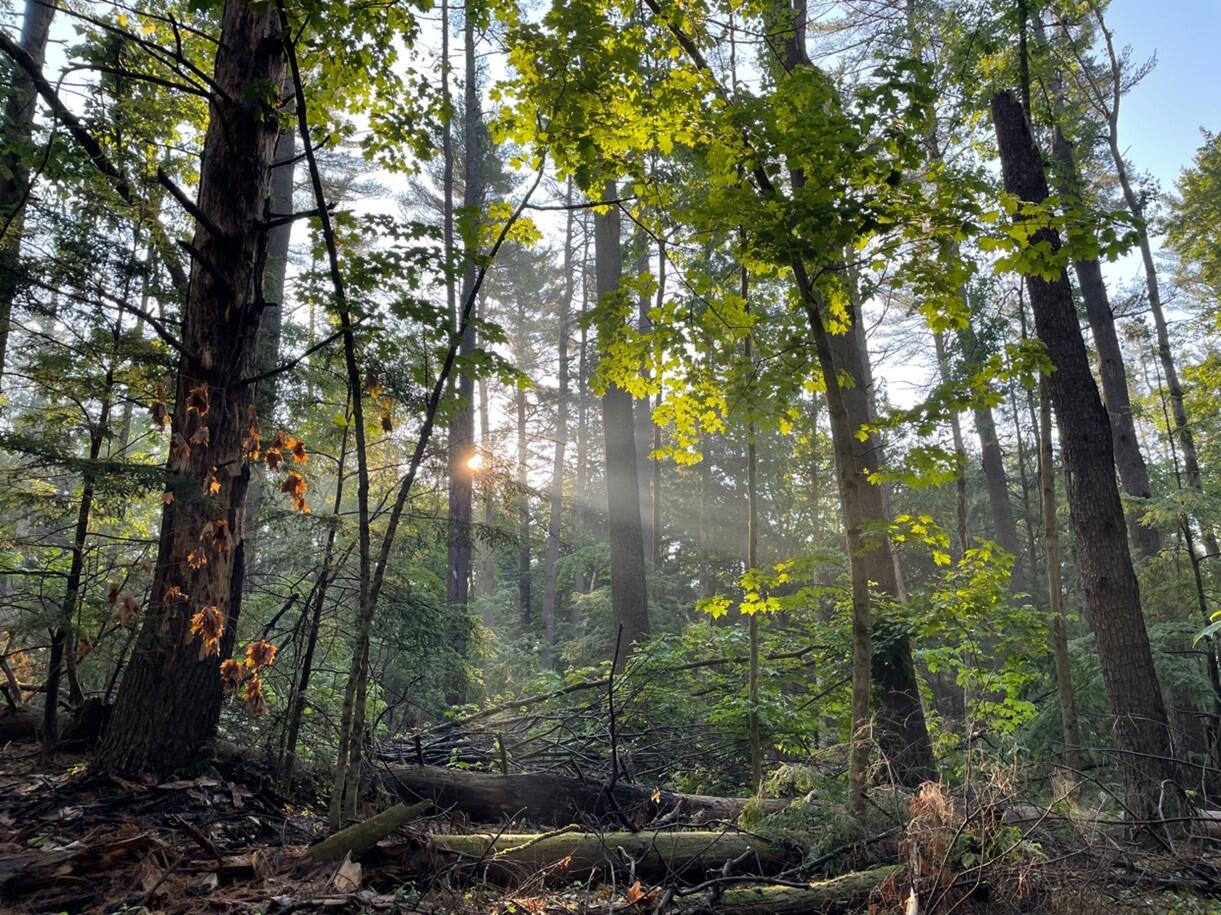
x,y
169,701
629,595
1112,594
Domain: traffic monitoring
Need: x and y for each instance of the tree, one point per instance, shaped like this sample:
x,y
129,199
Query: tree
x,y
170,697
1111,590
629,594
14,165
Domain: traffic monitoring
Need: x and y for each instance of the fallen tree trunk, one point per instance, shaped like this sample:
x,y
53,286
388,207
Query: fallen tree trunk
x,y
22,723
556,799
360,837
569,855
846,893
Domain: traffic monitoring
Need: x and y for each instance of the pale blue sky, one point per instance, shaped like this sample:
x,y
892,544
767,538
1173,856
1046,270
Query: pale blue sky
x,y
1160,119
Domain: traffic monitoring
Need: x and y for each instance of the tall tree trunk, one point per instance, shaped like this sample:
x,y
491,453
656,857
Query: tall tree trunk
x,y
629,596
580,521
487,575
462,426
551,558
642,411
1112,593
65,631
1055,587
524,597
169,702
902,733
996,479
14,173
752,562
1133,474
1165,354
326,574
274,275
960,453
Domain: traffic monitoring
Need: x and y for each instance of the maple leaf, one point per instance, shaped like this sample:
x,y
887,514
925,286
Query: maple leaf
x,y
387,421
112,594
180,453
294,484
202,437
273,458
256,702
167,497
160,415
83,646
212,483
197,399
232,673
209,624
196,559
260,653
298,452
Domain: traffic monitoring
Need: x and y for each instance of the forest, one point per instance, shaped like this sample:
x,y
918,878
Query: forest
x,y
624,456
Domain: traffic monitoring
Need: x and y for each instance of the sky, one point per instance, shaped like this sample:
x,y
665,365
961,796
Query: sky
x,y
1160,119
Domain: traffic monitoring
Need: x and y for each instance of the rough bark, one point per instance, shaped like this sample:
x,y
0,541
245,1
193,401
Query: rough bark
x,y
1133,473
555,799
14,172
169,702
629,596
1112,594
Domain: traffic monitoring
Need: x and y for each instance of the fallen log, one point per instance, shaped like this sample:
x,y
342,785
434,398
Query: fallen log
x,y
569,854
21,723
557,799
846,893
360,837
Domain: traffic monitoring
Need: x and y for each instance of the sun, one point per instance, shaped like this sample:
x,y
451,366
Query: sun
x,y
475,462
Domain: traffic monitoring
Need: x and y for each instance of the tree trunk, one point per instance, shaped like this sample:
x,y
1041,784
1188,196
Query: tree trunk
x,y
992,460
462,425
551,558
960,453
1055,588
655,856
546,798
524,598
169,702
1133,474
902,733
1112,593
629,597
65,633
274,274
642,412
300,692
14,173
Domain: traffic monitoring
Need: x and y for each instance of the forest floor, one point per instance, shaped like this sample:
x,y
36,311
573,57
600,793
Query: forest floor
x,y
72,842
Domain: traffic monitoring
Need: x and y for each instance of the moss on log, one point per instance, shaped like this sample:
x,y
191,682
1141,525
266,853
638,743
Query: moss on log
x,y
571,854
360,837
846,893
